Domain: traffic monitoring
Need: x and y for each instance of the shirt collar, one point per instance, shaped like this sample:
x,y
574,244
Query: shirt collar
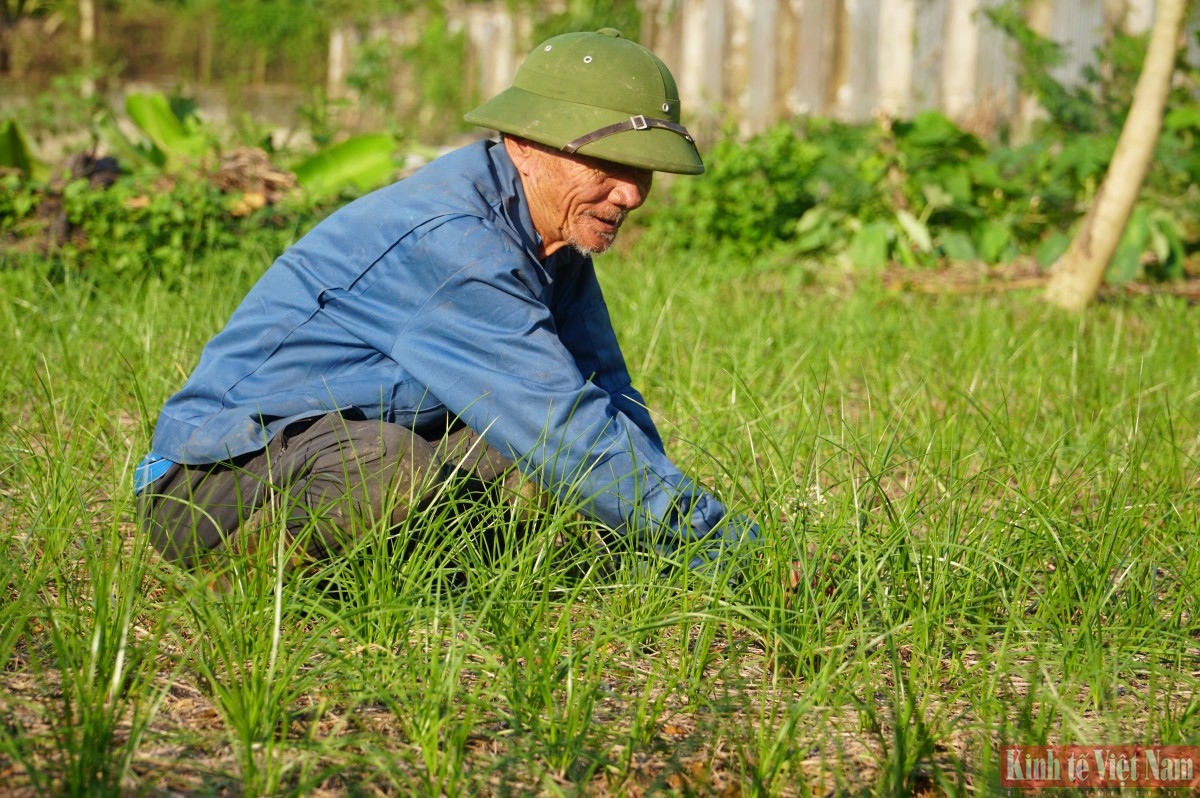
x,y
513,204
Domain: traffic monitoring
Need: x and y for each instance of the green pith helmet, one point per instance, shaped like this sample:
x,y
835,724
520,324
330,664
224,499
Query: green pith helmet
x,y
600,95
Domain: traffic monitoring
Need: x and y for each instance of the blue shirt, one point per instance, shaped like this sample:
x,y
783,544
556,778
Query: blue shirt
x,y
426,299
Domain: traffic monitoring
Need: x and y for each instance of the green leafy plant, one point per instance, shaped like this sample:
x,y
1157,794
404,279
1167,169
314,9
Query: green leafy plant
x,y
16,152
170,135
921,192
363,162
1072,108
145,226
751,198
172,130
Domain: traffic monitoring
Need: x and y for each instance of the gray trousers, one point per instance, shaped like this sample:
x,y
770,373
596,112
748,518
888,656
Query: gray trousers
x,y
333,476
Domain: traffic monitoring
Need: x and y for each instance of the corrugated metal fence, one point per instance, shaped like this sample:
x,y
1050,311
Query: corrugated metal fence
x,y
757,61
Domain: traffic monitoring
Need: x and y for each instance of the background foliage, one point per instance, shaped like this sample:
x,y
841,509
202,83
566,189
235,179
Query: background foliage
x,y
923,192
919,192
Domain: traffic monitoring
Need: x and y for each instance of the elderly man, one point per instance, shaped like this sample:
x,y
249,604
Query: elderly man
x,y
448,325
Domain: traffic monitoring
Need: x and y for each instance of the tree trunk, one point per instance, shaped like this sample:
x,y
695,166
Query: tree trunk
x,y
258,66
204,53
960,57
897,22
342,41
760,88
838,89
5,37
1114,13
87,45
1138,16
1039,16
1080,270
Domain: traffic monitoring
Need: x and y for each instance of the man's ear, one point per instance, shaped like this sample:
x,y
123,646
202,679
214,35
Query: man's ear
x,y
520,152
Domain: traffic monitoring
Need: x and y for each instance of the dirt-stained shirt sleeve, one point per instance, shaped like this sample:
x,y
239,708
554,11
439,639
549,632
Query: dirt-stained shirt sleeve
x,y
586,330
516,381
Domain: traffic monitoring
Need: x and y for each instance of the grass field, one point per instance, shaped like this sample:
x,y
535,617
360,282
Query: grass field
x,y
998,507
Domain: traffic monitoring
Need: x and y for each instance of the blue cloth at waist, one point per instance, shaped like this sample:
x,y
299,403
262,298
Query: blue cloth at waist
x,y
148,471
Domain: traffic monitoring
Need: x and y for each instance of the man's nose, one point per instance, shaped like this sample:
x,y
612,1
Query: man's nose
x,y
631,189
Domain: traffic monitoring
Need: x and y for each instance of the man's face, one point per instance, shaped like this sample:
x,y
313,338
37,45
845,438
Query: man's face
x,y
576,200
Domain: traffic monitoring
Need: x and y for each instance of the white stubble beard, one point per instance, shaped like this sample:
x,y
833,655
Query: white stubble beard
x,y
608,238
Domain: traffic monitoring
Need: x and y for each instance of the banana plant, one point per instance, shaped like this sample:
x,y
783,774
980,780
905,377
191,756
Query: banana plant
x,y
16,152
362,162
165,139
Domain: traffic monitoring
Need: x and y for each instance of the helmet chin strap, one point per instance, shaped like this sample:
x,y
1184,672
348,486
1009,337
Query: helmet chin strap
x,y
637,122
